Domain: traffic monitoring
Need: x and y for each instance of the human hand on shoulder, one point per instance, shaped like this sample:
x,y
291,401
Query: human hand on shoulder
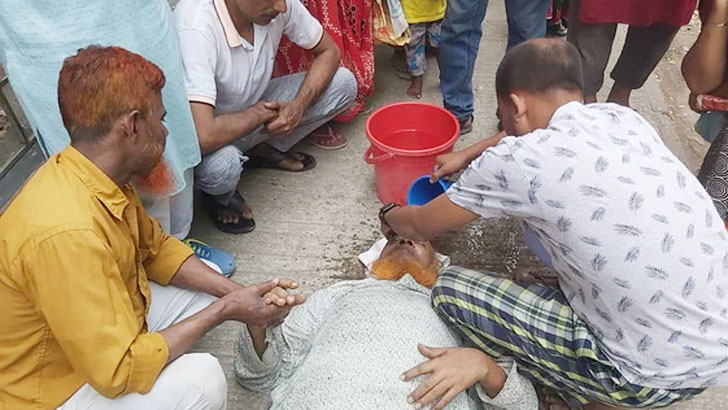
x,y
453,370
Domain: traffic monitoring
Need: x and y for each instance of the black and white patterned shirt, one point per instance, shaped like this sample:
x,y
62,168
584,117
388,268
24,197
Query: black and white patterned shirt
x,y
639,248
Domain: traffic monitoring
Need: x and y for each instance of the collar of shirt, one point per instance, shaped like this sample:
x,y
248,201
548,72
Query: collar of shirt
x,y
231,32
104,188
563,111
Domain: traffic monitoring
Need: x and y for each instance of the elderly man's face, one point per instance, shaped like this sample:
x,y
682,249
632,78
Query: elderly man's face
x,y
408,250
402,256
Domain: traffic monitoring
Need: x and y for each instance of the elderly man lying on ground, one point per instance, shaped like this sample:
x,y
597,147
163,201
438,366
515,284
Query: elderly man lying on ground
x,y
350,345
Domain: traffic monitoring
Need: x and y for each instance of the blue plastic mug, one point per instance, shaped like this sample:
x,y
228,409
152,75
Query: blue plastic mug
x,y
422,191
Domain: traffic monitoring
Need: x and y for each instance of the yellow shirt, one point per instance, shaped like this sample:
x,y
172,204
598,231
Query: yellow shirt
x,y
75,255
424,11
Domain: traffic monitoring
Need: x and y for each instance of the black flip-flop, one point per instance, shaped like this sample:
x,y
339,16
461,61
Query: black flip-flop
x,y
273,161
237,204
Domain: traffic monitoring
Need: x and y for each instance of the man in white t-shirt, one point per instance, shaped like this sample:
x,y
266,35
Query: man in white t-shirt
x,y
228,50
640,315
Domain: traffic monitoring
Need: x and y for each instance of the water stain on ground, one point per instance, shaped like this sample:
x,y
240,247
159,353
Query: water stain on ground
x,y
483,245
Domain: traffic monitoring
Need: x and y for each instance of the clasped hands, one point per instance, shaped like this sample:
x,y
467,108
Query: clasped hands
x,y
280,117
262,305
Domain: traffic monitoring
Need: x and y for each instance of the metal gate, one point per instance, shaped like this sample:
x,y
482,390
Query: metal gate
x,y
20,155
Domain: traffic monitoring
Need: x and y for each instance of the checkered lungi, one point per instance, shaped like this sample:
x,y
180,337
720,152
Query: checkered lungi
x,y
537,328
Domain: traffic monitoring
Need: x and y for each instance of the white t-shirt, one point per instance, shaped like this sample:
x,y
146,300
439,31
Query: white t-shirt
x,y
639,248
221,67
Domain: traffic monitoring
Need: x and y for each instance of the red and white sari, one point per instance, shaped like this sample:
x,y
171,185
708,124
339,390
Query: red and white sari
x,y
348,22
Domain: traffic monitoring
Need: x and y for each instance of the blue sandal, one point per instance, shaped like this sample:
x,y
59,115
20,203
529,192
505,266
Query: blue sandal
x,y
215,255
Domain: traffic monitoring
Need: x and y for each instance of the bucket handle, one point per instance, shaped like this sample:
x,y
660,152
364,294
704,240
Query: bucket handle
x,y
373,160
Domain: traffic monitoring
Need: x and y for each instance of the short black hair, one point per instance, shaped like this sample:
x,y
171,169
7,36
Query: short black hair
x,y
539,65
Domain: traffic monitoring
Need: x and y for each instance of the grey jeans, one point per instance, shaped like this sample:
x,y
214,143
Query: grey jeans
x,y
219,172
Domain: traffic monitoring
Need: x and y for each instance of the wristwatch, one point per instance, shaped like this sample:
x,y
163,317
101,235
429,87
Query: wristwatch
x,y
383,212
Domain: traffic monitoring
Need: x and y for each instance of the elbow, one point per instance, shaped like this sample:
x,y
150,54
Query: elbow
x,y
699,79
336,55
207,144
107,387
699,84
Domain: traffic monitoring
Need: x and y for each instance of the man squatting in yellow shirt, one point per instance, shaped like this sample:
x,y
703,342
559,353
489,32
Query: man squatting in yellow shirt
x,y
81,324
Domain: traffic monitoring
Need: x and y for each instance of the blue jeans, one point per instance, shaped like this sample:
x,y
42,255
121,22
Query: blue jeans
x,y
462,29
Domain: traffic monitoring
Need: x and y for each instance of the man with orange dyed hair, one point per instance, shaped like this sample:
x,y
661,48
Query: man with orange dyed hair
x,y
97,305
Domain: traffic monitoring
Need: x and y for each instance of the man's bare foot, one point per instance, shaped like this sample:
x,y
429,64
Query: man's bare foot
x,y
231,216
415,88
541,276
265,156
326,137
236,217
549,401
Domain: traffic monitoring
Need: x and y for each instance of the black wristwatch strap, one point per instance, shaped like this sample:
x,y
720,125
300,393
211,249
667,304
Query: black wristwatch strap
x,y
386,208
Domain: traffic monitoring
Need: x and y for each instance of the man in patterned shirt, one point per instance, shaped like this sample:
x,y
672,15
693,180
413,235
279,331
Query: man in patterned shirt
x,y
641,256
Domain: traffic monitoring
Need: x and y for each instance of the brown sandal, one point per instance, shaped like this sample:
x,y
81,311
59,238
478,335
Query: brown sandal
x,y
323,139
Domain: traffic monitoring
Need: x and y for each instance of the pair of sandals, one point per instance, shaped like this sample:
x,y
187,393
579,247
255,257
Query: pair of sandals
x,y
237,202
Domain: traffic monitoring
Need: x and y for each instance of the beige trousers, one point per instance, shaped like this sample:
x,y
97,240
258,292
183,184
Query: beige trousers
x,y
194,381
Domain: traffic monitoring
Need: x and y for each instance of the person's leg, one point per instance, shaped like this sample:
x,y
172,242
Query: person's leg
x,y
434,39
461,33
172,305
643,49
194,381
526,20
217,176
537,328
594,43
340,93
219,172
181,208
416,61
714,173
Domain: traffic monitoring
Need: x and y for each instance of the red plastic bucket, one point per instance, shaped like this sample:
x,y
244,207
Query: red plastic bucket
x,y
405,139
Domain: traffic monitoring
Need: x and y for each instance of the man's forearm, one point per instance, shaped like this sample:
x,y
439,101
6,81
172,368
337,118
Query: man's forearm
x,y
494,380
182,336
196,275
427,222
228,128
704,65
257,335
477,149
317,78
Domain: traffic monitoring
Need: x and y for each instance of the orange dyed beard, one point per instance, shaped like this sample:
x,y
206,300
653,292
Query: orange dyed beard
x,y
159,182
395,268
